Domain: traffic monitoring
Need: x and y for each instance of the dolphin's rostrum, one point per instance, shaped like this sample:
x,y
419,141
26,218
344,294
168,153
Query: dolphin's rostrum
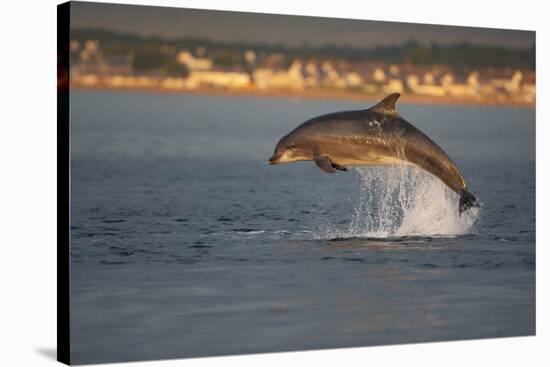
x,y
376,136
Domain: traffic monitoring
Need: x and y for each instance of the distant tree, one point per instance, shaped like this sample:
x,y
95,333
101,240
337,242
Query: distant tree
x,y
175,68
117,48
228,58
419,55
147,60
146,54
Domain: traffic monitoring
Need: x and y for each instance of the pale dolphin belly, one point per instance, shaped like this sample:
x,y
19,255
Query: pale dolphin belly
x,y
368,160
373,151
362,152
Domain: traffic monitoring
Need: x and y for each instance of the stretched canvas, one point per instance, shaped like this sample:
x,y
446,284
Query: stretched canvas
x,y
234,183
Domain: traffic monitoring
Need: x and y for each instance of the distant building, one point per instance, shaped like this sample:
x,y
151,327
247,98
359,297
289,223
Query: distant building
x,y
393,85
117,64
74,46
311,75
394,71
275,61
379,75
331,77
292,78
429,78
250,56
91,59
194,63
217,79
353,79
413,83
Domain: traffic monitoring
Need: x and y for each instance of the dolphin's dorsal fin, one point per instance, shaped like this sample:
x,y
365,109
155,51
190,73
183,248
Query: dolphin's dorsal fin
x,y
387,105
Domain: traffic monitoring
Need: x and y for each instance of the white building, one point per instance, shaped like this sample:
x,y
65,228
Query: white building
x,y
194,63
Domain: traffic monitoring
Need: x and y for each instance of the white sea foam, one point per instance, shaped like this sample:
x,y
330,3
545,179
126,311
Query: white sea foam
x,y
403,200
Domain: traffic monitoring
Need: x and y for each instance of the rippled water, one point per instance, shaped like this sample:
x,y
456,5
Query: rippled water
x,y
185,243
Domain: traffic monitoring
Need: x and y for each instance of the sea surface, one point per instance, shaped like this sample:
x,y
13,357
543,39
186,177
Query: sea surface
x,y
185,243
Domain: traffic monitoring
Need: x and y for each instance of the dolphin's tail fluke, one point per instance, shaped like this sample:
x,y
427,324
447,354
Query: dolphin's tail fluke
x,y
467,201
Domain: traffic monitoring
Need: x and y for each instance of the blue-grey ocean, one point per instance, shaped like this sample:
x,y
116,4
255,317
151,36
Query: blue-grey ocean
x,y
185,243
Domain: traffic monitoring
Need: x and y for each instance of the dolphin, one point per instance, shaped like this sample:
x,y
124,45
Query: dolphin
x,y
377,136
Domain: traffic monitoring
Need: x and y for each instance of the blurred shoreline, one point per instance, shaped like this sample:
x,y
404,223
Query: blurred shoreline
x,y
407,98
461,74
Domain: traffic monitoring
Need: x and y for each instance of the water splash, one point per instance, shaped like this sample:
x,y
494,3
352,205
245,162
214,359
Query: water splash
x,y
403,200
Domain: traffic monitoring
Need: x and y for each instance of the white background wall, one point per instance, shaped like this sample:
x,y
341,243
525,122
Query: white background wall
x,y
28,182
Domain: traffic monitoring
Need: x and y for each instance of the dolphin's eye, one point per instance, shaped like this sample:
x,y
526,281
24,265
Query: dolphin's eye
x,y
291,145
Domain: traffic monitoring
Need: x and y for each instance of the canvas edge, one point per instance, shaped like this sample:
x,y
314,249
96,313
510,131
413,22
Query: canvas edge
x,y
63,185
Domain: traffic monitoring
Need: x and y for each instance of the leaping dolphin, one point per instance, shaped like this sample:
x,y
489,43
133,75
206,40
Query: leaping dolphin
x,y
376,136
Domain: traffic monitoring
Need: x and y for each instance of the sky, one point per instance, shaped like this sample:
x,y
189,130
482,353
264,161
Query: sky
x,y
279,29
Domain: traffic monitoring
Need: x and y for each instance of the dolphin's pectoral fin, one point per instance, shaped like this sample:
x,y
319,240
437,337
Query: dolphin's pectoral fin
x,y
339,167
324,163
